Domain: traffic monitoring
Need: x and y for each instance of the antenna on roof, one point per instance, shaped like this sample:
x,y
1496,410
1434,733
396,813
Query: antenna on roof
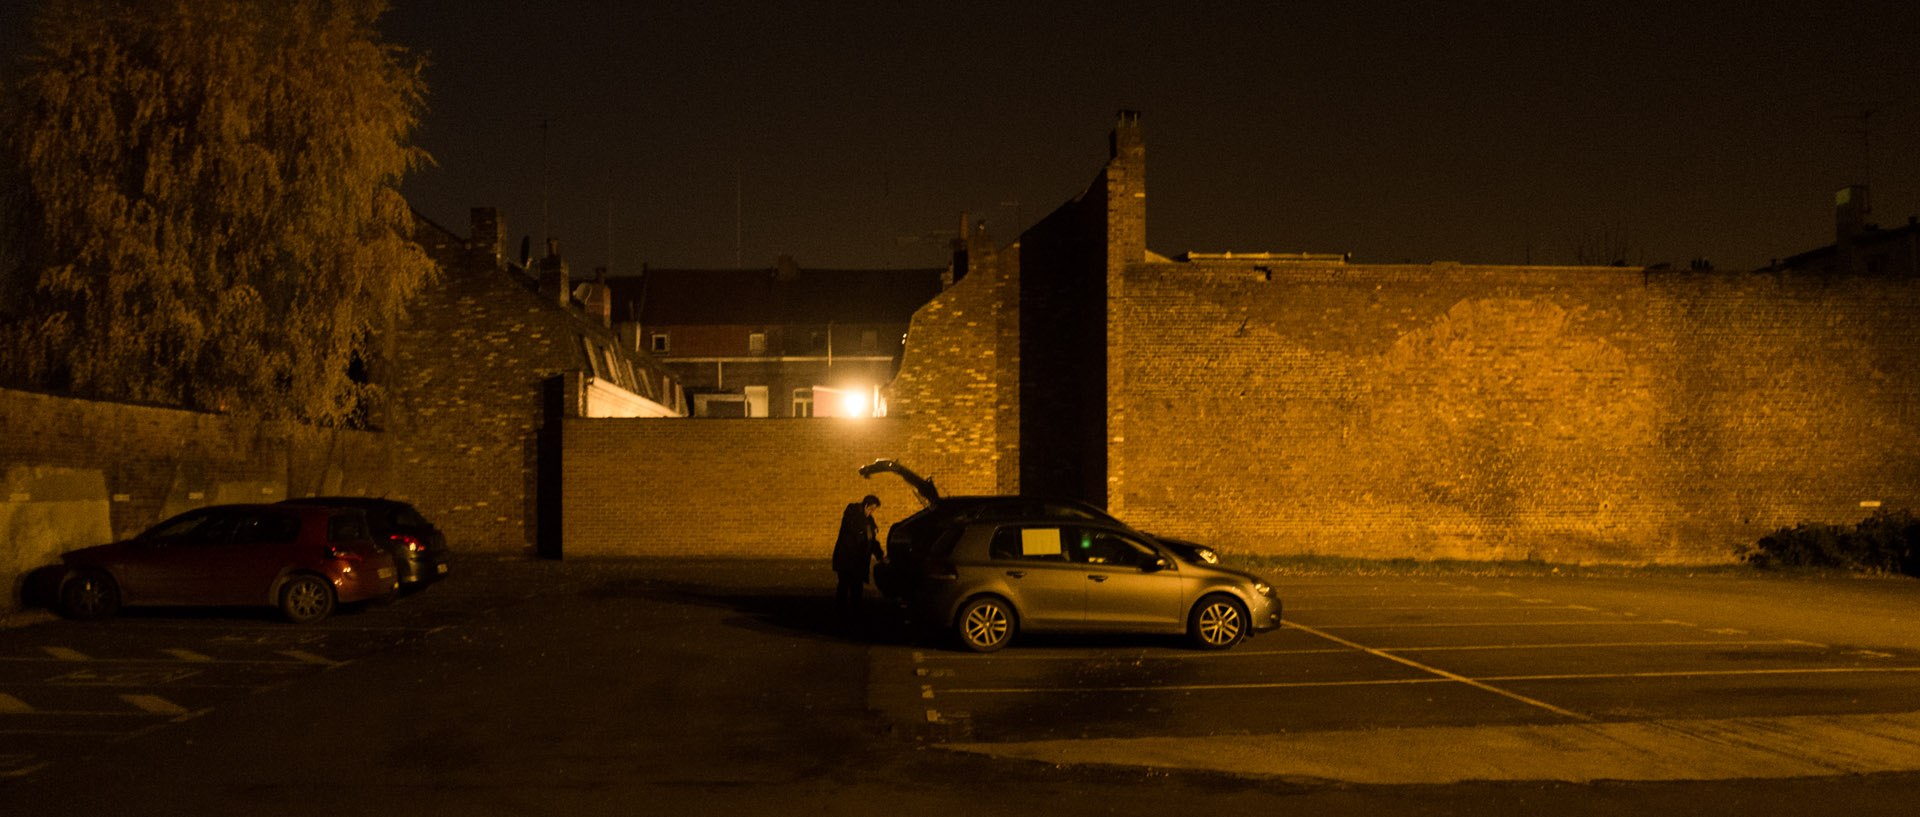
x,y
1865,132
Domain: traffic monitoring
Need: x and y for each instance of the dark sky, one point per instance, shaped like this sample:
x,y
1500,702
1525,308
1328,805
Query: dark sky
x,y
851,134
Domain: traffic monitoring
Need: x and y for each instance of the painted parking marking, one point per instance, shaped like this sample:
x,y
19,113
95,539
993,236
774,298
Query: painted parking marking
x,y
65,654
1587,623
122,677
10,705
310,658
189,655
1701,673
155,704
1445,674
1169,655
1431,608
1198,687
1780,643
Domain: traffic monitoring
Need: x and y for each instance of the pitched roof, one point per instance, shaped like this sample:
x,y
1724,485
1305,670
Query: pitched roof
x,y
763,296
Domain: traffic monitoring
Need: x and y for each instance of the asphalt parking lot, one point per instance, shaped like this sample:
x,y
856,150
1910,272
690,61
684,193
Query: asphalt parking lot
x,y
1401,680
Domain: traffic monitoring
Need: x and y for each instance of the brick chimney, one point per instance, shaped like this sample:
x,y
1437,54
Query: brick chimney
x,y
488,228
553,275
599,300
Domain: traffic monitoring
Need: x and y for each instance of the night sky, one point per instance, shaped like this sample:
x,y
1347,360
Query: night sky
x,y
855,134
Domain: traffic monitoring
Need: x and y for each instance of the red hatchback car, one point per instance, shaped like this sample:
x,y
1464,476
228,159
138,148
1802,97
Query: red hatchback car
x,y
304,560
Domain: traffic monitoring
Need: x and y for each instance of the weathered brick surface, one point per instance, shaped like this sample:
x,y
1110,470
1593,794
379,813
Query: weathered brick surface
x,y
958,387
82,472
766,487
1570,414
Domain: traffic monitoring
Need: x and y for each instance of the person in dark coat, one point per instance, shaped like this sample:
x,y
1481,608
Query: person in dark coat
x,y
859,540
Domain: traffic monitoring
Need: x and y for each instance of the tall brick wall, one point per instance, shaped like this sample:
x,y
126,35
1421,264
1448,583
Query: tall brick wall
x,y
1577,414
957,389
80,472
766,487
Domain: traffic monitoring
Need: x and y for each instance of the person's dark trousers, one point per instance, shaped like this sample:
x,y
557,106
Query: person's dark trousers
x,y
848,595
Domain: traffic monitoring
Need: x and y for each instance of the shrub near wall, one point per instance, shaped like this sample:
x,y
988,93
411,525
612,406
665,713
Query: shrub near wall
x,y
80,472
725,488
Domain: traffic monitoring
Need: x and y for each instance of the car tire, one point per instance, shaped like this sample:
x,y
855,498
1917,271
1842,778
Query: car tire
x,y
1217,622
984,624
306,598
89,595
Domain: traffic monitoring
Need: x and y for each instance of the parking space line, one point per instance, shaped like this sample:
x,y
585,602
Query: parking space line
x,y
1170,655
1194,687
1701,673
155,704
174,660
10,705
310,658
1783,643
1588,623
1444,674
65,654
1433,608
188,655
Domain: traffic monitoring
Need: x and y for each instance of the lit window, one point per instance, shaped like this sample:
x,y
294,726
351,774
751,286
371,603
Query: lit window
x,y
660,343
757,343
803,402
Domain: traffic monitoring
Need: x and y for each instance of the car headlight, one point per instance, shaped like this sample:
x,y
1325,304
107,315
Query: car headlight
x,y
1207,555
1263,589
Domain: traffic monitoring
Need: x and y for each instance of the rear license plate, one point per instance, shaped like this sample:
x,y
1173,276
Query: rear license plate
x,y
442,568
386,573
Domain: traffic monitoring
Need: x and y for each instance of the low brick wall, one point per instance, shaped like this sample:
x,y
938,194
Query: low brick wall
x,y
81,472
761,487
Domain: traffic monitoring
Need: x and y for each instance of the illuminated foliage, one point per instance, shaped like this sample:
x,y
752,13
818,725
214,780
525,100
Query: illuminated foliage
x,y
202,202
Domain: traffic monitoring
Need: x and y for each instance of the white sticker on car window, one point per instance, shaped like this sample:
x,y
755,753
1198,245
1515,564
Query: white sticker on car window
x,y
1040,542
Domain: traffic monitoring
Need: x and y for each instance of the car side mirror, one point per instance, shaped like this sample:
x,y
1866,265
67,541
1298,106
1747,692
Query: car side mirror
x,y
1158,564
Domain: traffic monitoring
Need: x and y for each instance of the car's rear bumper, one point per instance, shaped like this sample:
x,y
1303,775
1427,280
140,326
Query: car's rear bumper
x,y
367,580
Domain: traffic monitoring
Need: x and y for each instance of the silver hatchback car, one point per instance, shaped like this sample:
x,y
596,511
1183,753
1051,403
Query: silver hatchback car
x,y
987,579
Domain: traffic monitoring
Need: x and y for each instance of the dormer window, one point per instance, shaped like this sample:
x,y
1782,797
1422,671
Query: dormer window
x,y
659,343
757,343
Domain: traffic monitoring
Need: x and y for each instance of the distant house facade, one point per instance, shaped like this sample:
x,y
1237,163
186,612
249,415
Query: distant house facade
x,y
784,342
486,363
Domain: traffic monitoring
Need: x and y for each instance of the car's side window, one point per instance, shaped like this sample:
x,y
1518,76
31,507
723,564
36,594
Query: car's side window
x,y
181,526
347,527
1109,548
265,529
1044,544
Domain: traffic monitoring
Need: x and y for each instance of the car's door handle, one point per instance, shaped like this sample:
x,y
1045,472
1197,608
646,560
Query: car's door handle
x,y
1098,577
1018,574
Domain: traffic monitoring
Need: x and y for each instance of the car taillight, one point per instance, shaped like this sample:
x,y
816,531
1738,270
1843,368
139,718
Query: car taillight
x,y
343,554
410,544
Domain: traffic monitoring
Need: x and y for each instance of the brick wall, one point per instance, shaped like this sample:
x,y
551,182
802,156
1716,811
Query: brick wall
x,y
80,472
1573,414
958,389
722,487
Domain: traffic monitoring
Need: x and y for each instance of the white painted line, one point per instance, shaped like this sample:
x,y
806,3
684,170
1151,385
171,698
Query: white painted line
x,y
1195,687
1786,643
1096,655
188,655
23,771
174,660
1482,624
1702,673
1728,631
65,654
1432,608
155,704
926,690
310,658
10,705
1448,675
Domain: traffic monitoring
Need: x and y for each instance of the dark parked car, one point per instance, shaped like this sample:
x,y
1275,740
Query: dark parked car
x,y
419,549
985,567
303,559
